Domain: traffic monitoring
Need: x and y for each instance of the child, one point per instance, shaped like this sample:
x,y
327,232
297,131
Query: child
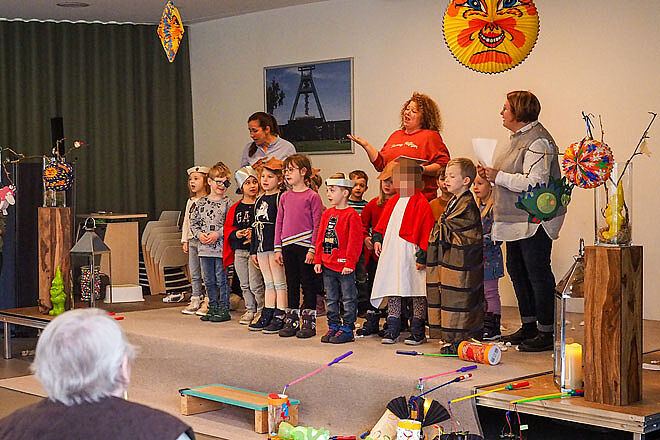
x,y
439,204
400,241
297,225
455,257
262,248
206,224
493,262
356,202
338,248
370,216
238,234
199,188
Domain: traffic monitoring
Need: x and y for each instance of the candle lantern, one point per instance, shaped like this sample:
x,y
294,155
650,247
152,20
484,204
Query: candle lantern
x,y
569,331
91,247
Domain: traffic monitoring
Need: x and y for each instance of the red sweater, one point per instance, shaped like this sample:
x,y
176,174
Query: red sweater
x,y
423,144
417,221
340,238
370,215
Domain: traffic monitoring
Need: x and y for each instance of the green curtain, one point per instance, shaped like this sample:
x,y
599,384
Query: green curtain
x,y
117,92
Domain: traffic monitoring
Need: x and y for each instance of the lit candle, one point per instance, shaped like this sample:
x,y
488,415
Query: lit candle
x,y
573,373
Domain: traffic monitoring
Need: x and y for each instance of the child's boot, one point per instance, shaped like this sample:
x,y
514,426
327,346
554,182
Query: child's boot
x,y
204,307
263,321
212,310
332,329
370,326
291,324
221,315
393,331
276,323
492,327
195,303
343,335
417,332
308,326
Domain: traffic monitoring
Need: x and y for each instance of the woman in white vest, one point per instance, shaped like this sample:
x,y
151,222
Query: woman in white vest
x,y
528,245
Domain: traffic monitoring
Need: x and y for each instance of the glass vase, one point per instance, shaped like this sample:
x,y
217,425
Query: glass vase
x,y
613,207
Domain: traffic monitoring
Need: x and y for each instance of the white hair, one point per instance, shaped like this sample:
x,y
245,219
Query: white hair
x,y
79,357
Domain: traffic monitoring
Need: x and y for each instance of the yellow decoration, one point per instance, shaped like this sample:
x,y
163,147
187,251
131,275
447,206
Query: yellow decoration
x,y
170,30
491,36
614,213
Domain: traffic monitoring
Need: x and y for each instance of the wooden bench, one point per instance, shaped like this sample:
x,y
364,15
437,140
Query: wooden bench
x,y
212,397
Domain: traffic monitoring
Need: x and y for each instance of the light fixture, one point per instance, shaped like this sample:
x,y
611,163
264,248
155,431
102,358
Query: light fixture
x,y
72,4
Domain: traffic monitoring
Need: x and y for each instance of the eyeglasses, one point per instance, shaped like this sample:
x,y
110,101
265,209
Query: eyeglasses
x,y
225,182
290,170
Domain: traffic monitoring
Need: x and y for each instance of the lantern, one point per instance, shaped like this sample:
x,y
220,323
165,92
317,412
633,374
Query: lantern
x,y
91,247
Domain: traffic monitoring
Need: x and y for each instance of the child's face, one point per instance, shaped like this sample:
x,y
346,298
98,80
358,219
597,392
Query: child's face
x,y
387,186
481,188
218,185
196,183
269,180
454,180
294,175
441,182
250,187
337,194
359,188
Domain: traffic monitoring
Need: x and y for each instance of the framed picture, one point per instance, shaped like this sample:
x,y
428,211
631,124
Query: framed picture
x,y
313,104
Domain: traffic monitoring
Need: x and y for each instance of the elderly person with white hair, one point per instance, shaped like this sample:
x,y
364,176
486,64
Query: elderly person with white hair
x,y
83,362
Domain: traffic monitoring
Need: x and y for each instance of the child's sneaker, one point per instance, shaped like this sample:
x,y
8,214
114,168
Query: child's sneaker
x,y
308,326
211,311
332,329
247,318
450,348
417,332
194,305
174,298
221,315
276,322
204,308
343,335
291,324
263,321
492,327
393,332
370,326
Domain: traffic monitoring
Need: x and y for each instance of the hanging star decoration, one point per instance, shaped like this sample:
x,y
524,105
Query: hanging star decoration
x,y
491,36
170,30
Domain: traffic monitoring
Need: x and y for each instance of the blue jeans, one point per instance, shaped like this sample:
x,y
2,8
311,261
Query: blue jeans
x,y
340,287
215,280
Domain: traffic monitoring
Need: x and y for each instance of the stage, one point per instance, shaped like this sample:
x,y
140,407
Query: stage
x,y
178,351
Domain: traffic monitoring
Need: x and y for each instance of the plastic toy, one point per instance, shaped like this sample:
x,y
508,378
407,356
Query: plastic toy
x,y
57,294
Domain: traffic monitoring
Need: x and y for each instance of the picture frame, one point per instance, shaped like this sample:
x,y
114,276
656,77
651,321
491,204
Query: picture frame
x,y
313,104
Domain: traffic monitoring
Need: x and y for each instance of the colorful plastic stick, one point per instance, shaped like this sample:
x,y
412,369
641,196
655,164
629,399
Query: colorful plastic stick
x,y
512,386
572,393
345,355
416,353
456,379
460,370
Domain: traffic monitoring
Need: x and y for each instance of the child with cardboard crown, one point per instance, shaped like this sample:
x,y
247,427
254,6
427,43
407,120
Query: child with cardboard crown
x,y
455,261
400,240
338,247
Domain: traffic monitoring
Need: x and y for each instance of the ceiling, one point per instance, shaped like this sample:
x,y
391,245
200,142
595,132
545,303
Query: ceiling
x,y
138,11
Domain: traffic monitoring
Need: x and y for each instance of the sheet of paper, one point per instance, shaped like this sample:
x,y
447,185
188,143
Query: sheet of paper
x,y
484,149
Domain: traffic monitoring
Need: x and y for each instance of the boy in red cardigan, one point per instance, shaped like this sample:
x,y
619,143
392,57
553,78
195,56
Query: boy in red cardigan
x,y
338,247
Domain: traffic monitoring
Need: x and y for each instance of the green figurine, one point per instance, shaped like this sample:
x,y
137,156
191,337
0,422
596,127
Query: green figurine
x,y
57,295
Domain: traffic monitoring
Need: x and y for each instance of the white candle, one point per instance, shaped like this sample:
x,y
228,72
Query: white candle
x,y
573,373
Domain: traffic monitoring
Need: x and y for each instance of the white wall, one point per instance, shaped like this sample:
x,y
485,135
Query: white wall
x,y
601,57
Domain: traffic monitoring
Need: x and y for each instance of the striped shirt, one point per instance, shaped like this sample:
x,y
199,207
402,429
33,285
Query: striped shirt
x,y
298,218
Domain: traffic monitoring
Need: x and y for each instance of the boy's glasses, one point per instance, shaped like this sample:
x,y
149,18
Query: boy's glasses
x,y
225,182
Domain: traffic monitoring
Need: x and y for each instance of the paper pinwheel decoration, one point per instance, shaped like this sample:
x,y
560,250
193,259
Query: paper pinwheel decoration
x,y
58,175
587,163
170,30
544,200
491,36
7,198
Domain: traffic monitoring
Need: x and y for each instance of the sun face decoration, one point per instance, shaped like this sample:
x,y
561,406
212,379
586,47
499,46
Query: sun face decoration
x,y
491,36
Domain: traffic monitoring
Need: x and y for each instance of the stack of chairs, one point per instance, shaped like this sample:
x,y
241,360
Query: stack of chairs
x,y
165,263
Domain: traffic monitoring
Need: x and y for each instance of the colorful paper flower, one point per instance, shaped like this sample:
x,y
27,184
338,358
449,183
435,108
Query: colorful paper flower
x,y
588,163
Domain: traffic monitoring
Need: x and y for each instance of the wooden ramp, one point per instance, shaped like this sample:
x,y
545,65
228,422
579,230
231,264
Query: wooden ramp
x,y
213,397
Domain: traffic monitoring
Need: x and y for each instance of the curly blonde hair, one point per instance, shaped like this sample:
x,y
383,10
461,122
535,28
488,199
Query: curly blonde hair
x,y
431,119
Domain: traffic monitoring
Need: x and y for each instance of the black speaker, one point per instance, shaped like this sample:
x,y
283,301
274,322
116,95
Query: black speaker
x,y
57,132
19,280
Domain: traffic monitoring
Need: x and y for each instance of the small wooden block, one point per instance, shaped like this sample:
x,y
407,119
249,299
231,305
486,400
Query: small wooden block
x,y
293,415
261,422
191,405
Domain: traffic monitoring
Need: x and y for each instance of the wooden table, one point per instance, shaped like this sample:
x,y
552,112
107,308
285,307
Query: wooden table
x,y
121,236
25,316
639,418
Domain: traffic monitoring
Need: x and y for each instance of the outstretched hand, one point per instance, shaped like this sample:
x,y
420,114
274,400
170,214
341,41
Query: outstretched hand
x,y
358,140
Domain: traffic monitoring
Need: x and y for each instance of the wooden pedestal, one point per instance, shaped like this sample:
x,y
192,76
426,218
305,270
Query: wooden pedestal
x,y
613,324
54,246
